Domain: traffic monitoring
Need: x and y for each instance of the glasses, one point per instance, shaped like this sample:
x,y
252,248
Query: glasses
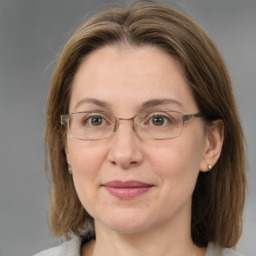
x,y
156,125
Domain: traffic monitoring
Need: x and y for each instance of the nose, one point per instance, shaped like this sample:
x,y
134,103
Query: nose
x,y
125,151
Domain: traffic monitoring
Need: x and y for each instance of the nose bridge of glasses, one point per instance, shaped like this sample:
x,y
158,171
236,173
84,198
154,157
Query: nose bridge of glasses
x,y
123,119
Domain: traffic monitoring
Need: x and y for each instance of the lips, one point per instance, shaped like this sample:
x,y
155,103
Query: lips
x,y
127,189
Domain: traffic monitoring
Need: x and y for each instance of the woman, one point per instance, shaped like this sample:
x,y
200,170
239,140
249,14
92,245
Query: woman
x,y
144,139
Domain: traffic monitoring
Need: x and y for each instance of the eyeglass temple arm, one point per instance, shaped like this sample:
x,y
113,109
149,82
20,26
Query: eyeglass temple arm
x,y
187,117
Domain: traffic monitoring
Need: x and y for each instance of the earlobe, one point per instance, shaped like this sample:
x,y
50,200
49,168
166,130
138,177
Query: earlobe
x,y
70,168
215,137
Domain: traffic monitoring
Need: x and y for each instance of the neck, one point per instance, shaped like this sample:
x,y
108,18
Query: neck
x,y
161,241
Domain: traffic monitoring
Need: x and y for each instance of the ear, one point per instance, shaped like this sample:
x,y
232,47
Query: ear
x,y
68,160
67,155
213,147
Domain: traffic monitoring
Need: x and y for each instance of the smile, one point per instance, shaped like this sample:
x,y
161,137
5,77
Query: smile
x,y
127,189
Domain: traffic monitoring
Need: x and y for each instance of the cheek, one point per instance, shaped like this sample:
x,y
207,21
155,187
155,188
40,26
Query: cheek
x,y
86,160
85,157
177,164
176,156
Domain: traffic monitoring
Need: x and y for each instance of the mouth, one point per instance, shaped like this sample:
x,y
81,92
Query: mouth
x,y
127,189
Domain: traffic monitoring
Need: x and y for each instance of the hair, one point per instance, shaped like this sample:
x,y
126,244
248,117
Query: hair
x,y
218,198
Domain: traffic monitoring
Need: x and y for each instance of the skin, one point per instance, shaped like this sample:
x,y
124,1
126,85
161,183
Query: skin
x,y
124,78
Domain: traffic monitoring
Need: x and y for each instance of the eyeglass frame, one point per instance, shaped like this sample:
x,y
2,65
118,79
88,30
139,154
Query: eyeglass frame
x,y
64,120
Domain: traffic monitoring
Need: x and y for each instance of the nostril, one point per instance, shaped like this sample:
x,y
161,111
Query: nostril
x,y
129,163
123,163
113,162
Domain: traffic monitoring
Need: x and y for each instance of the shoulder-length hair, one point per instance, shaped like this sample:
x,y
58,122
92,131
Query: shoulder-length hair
x,y
218,198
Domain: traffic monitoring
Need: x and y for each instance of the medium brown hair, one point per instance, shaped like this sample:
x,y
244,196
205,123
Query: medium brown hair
x,y
218,198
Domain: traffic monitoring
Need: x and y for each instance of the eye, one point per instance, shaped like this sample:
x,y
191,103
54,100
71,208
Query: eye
x,y
94,120
159,120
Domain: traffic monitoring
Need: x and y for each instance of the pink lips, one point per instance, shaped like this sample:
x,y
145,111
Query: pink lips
x,y
126,189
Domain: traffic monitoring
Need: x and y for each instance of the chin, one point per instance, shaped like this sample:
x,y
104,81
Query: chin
x,y
126,223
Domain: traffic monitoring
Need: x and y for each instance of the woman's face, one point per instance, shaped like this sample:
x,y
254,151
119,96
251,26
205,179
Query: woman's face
x,y
126,183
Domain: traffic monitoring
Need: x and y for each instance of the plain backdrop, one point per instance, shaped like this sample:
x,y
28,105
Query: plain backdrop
x,y
32,33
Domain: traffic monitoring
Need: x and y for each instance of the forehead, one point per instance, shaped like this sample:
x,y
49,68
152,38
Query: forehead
x,y
128,76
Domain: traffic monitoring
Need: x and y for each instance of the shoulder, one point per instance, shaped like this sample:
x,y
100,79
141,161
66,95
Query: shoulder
x,y
70,248
214,250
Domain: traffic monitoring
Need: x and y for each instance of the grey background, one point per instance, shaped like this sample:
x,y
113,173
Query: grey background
x,y
32,32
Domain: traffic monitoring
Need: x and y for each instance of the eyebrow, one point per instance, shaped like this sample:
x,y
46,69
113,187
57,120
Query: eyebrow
x,y
159,102
94,101
146,105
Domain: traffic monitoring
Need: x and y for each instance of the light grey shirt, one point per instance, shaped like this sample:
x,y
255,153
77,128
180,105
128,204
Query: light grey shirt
x,y
73,248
